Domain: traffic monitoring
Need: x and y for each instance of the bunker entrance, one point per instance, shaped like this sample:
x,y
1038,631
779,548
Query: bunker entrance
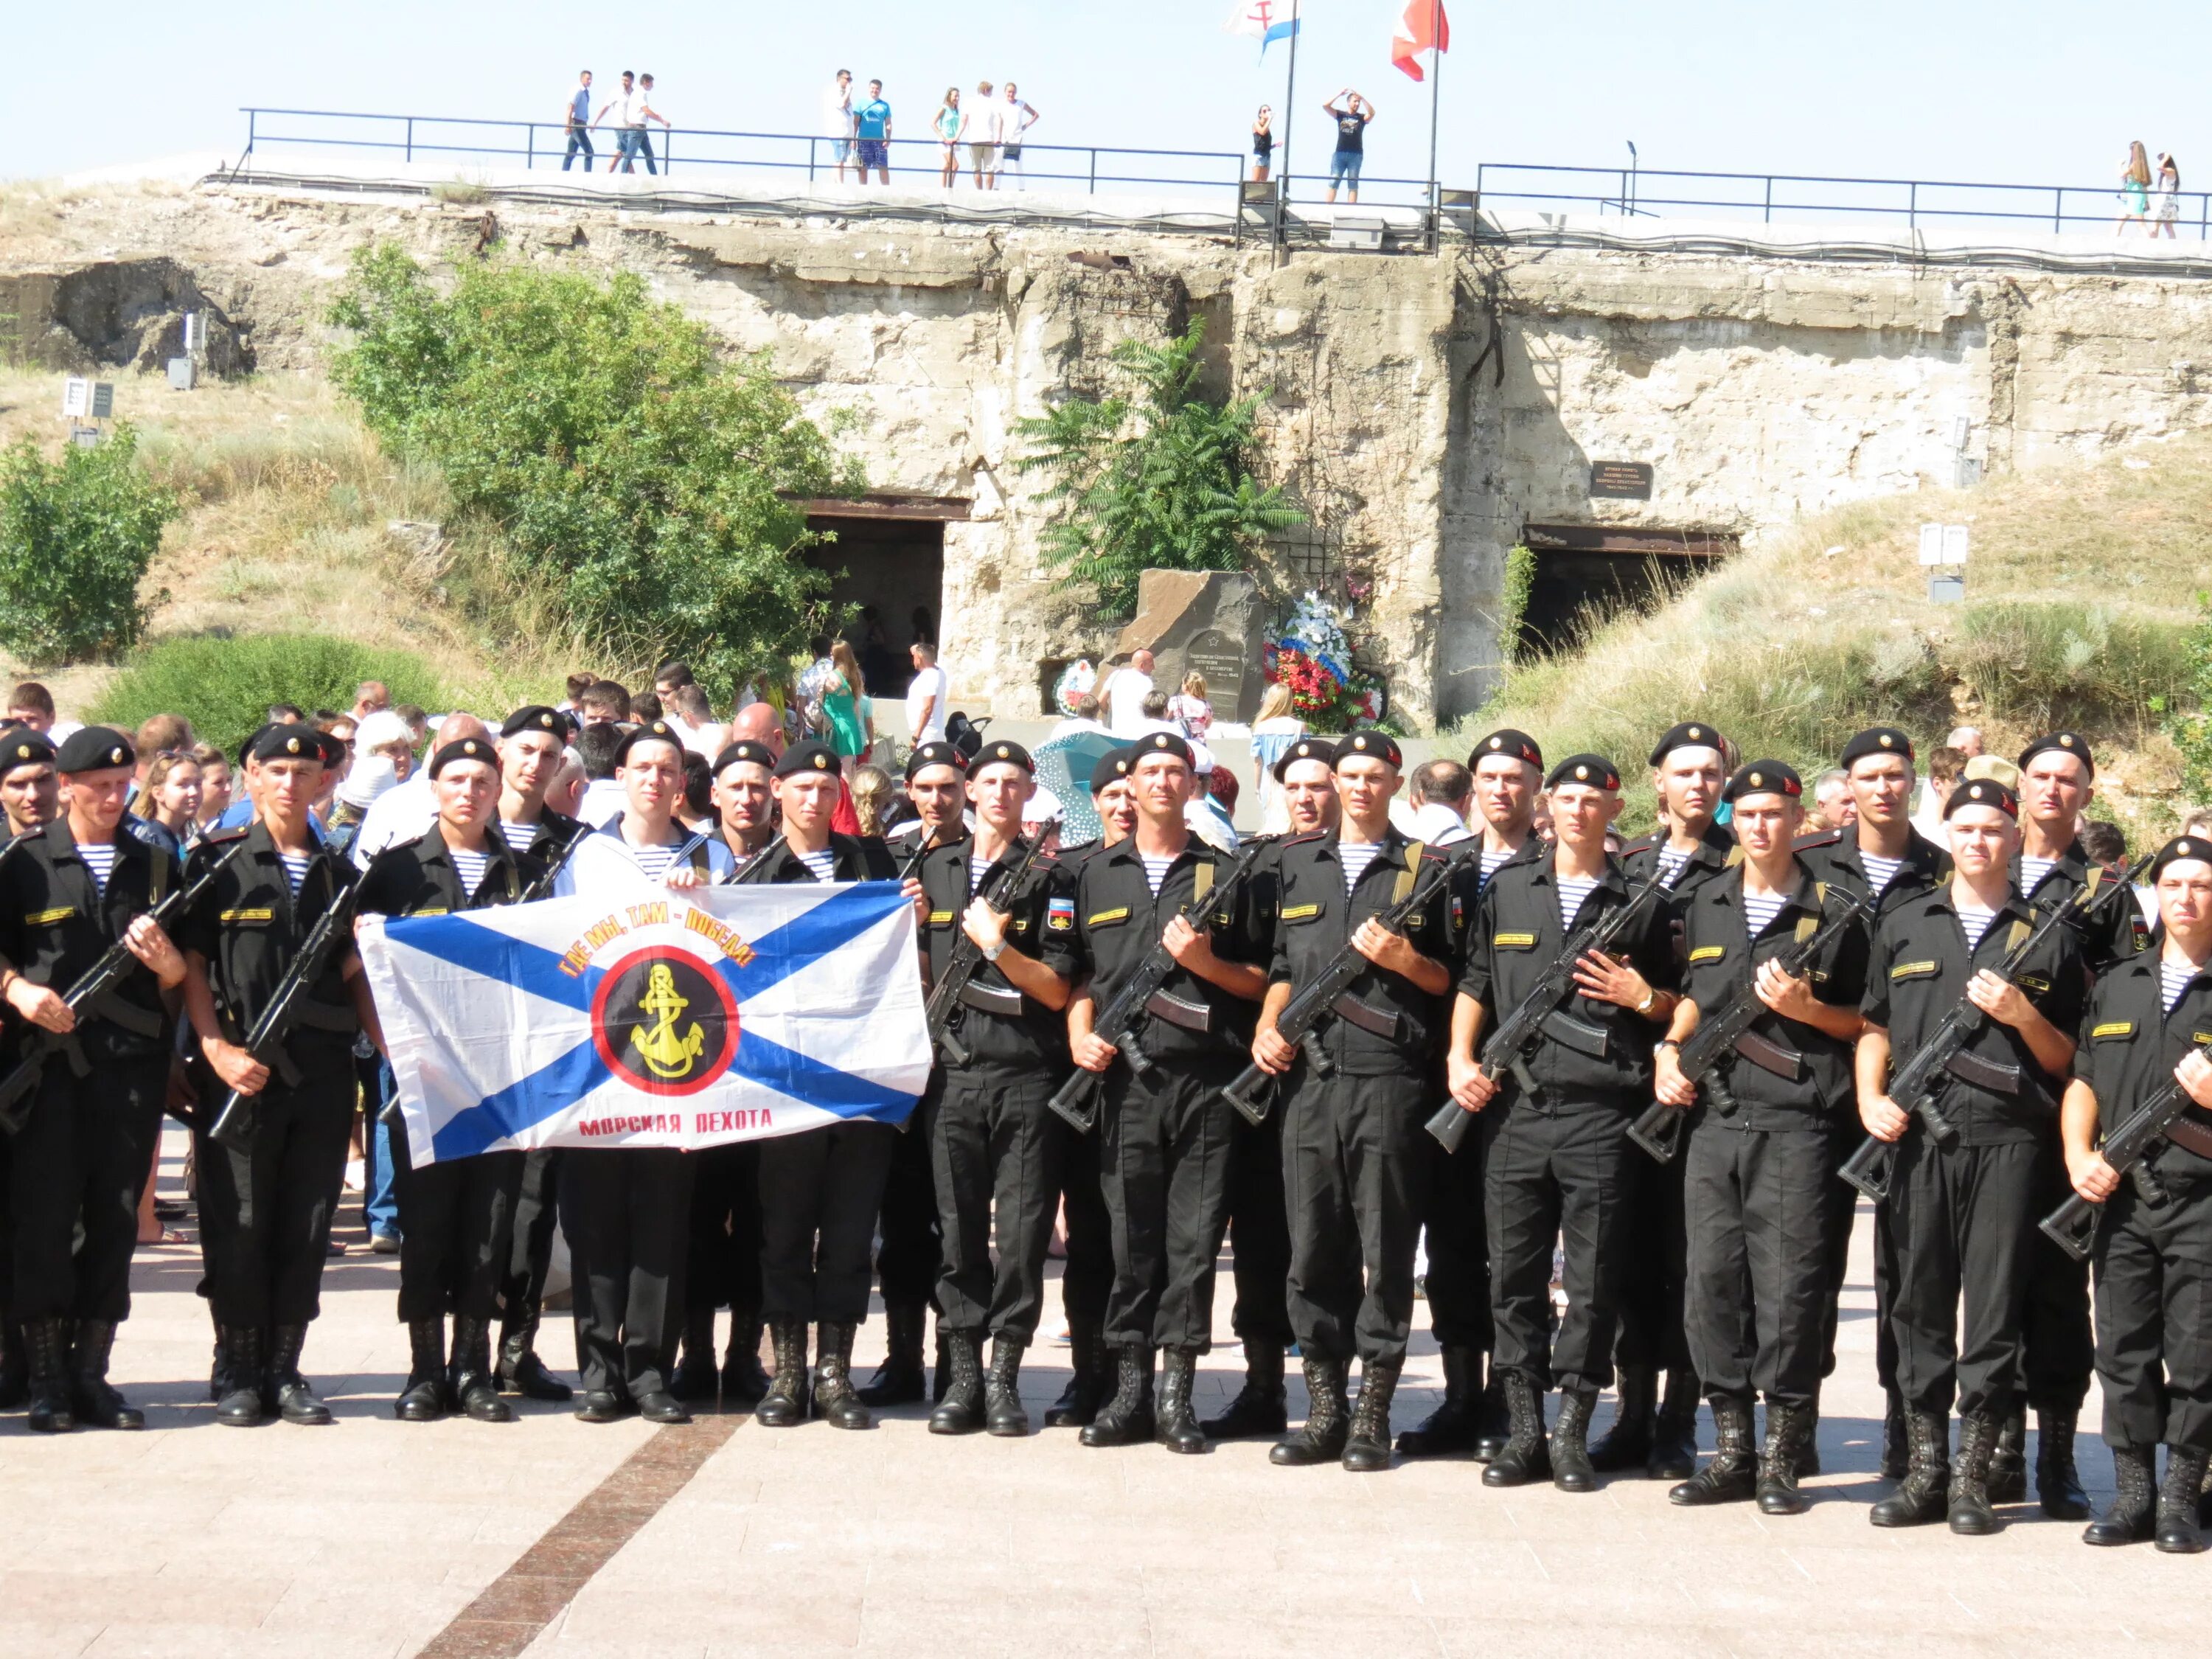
x,y
887,566
1588,573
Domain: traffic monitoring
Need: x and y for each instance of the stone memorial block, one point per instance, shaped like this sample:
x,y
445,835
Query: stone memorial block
x,y
1211,621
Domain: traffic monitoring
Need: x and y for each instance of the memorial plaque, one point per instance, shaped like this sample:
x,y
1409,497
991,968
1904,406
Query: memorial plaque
x,y
1624,481
103,401
1224,662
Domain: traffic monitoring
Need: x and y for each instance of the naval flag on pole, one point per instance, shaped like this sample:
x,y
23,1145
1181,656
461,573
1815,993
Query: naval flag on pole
x,y
1264,20
1423,27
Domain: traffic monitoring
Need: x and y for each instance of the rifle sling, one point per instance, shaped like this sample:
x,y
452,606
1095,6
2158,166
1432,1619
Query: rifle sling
x,y
2191,1137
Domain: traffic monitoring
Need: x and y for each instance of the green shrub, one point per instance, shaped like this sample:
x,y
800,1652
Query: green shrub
x,y
2189,724
76,537
2050,666
225,686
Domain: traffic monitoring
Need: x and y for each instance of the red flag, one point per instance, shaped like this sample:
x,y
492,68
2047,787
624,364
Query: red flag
x,y
1423,27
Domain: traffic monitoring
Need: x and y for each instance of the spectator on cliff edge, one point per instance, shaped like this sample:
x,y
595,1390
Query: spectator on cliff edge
x,y
837,122
619,106
2165,208
647,113
1350,142
1015,118
872,131
2135,191
577,121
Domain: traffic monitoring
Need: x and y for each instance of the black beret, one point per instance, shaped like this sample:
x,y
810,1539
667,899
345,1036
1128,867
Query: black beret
x,y
288,740
464,749
536,718
335,749
1983,792
94,749
2181,847
1514,745
1593,769
1313,749
1766,777
651,731
246,749
1876,740
24,747
1690,734
1376,745
1159,743
808,757
993,753
939,753
745,749
1114,766
2061,743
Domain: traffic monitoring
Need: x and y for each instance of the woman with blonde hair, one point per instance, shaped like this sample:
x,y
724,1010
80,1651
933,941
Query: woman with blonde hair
x,y
2134,190
170,802
950,124
872,796
852,725
1189,709
1274,732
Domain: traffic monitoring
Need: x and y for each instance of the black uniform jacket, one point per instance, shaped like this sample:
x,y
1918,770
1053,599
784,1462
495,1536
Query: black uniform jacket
x,y
1000,1027
55,923
1715,853
2130,1045
417,879
1917,973
1116,921
1721,960
555,830
249,926
1315,920
855,858
1833,856
1516,934
2116,932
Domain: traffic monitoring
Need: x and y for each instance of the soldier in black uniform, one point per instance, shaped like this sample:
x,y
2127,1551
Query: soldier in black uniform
x,y
30,795
820,1189
1880,856
73,888
1688,768
265,1209
1756,1161
1554,1161
1164,1136
1961,1213
1259,1226
986,1119
1350,1158
456,1217
2149,1025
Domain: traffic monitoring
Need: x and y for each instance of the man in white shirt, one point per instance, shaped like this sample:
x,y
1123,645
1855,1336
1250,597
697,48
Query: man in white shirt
x,y
837,120
1441,792
926,696
1015,118
1123,695
407,812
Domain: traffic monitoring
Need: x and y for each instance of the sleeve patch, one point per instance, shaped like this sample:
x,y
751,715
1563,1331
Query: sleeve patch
x,y
1059,914
2113,1028
1913,969
1709,953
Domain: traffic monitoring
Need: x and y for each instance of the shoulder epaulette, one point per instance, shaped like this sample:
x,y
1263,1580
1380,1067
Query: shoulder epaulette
x,y
226,837
1309,836
1641,844
1817,838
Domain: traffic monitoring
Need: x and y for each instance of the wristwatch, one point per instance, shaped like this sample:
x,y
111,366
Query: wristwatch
x,y
993,953
1665,1042
1651,1001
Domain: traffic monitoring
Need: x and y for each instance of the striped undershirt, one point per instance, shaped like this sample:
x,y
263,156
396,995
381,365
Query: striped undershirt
x,y
2032,871
1880,872
1573,890
470,867
1671,866
100,860
652,862
1156,870
1758,913
822,866
1491,864
1356,856
519,836
296,868
978,867
2172,980
1974,921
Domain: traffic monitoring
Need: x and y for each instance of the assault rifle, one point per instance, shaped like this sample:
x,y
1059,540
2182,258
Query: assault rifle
x,y
234,1125
543,887
2073,1225
1543,1011
1330,993
1944,1054
1659,1131
956,990
1077,1099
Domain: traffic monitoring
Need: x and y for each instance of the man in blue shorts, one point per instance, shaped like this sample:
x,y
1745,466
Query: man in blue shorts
x,y
1350,142
872,126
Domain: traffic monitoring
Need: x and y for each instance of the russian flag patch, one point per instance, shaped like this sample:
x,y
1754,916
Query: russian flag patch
x,y
1059,916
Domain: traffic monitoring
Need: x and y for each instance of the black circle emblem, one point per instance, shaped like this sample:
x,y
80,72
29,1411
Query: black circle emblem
x,y
665,1022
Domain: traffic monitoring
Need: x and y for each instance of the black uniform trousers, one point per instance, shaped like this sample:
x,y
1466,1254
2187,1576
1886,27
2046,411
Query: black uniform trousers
x,y
1757,1201
1352,1168
2058,1348
909,1255
1086,1278
992,1151
78,1167
1654,1286
529,1257
265,1210
2154,1314
1259,1232
1163,1167
626,1212
723,1268
1558,1175
820,1190
1458,1279
1960,1217
456,1231
1846,1134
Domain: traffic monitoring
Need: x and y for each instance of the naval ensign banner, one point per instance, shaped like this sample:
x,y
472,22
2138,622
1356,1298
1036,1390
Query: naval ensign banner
x,y
651,1018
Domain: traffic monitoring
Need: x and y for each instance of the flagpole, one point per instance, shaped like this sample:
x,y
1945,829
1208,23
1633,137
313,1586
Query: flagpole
x,y
1436,106
1289,120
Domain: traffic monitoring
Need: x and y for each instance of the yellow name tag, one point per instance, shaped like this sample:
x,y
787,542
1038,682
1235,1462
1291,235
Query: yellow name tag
x,y
431,910
2200,1036
263,914
1300,912
1709,953
939,918
47,918
1105,916
2112,1028
1907,969
1514,941
2030,982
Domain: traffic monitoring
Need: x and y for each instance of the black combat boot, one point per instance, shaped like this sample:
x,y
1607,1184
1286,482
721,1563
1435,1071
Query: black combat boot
x,y
1004,1415
1808,1437
1451,1427
1919,1497
2009,1460
1971,1514
1176,1424
1896,1438
899,1380
475,1389
744,1382
1628,1444
961,1410
1260,1406
1328,1422
47,1340
295,1400
1367,1447
1571,1464
238,1363
1524,1457
1493,1423
1783,1460
2178,1533
2132,1517
1127,1418
14,1366
1674,1430
697,1376
784,1405
836,1402
424,1399
1732,1476
522,1372
940,1373
2058,1483
1090,1376
92,1394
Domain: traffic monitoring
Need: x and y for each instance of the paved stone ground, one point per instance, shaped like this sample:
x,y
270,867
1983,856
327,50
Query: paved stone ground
x,y
367,1537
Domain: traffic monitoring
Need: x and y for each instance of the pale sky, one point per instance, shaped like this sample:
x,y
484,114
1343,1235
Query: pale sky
x,y
2030,92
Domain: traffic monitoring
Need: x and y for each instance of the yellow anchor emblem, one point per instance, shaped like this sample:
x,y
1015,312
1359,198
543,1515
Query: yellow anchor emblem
x,y
667,1055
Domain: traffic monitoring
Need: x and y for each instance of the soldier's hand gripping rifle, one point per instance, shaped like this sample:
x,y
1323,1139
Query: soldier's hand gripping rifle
x,y
2073,1225
1330,993
955,989
1659,1130
19,1088
543,887
1543,1011
1077,1099
233,1124
1915,1084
